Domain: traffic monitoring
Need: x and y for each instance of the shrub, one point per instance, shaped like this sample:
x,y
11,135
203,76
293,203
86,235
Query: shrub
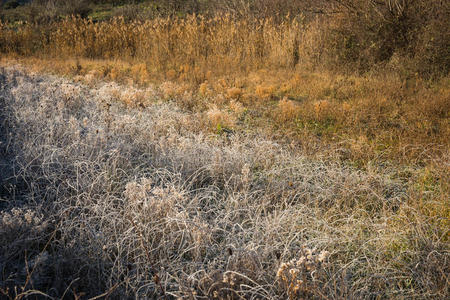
x,y
367,33
10,4
45,11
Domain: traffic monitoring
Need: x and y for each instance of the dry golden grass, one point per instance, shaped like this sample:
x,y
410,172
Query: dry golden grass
x,y
367,116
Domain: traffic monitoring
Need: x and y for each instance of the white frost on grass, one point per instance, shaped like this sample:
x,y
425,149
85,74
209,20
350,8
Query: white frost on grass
x,y
130,193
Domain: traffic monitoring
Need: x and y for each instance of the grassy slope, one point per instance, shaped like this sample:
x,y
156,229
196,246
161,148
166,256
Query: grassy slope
x,y
97,12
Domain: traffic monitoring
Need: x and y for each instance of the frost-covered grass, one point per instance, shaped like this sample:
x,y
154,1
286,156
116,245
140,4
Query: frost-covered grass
x,y
140,202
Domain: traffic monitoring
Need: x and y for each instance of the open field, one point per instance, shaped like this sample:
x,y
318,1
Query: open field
x,y
104,197
291,77
214,150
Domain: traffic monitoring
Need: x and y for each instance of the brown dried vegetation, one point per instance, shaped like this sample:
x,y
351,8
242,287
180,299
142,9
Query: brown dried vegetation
x,y
228,155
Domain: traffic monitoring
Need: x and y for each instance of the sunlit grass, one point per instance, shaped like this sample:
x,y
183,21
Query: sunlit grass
x,y
218,158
